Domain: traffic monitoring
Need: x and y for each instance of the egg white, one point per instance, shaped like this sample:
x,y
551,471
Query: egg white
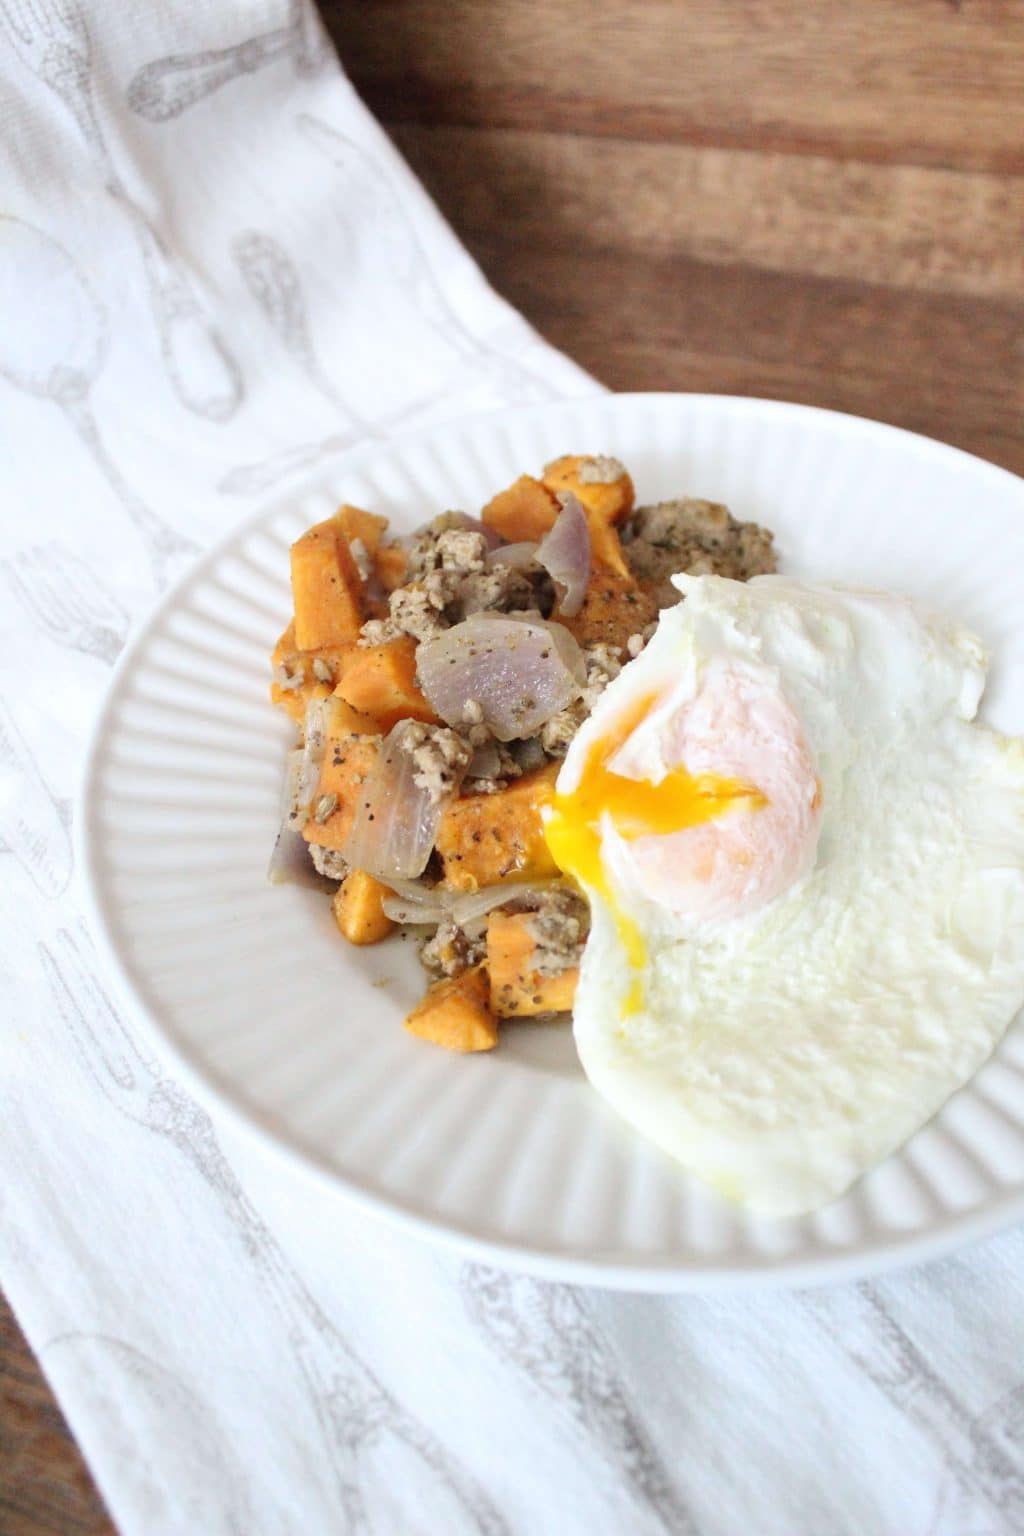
x,y
781,1054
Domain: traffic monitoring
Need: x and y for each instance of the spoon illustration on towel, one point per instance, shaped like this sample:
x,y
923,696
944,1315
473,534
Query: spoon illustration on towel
x,y
166,88
52,39
275,285
58,358
370,1437
983,1456
198,1481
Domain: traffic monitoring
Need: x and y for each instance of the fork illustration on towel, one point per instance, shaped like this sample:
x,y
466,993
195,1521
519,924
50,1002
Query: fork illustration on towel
x,y
51,38
68,600
33,822
546,1331
358,1416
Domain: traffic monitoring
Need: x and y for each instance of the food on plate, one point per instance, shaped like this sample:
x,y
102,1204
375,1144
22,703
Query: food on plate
x,y
437,682
756,845
805,870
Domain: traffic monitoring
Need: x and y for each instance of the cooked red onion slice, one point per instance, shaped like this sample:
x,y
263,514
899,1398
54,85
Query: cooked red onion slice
x,y
396,820
416,893
530,754
474,904
565,555
290,863
518,668
518,556
485,762
411,913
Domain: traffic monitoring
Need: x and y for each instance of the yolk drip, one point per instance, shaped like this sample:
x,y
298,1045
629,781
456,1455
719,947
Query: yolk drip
x,y
636,808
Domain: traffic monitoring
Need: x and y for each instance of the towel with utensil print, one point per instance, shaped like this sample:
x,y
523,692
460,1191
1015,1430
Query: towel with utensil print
x,y
216,275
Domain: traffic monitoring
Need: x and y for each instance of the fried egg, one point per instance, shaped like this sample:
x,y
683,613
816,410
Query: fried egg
x,y
805,866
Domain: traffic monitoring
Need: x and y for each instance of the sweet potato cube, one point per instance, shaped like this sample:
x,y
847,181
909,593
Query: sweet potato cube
x,y
313,674
606,552
518,989
483,839
346,721
357,524
390,561
524,512
327,589
456,1014
347,761
614,608
611,500
380,680
358,908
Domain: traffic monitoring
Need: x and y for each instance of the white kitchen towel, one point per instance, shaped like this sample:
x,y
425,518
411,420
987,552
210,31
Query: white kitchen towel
x,y
214,273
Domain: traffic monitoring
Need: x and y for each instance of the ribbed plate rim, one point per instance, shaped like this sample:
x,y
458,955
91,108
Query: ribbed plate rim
x,y
643,1273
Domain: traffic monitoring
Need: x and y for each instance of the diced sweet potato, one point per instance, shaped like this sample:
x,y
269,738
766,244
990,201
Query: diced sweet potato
x,y
518,990
390,561
606,552
610,500
456,1014
524,512
327,589
359,908
366,526
380,680
614,608
346,721
347,761
485,838
317,673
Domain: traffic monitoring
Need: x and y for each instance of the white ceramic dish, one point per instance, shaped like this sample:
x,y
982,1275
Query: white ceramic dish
x,y
510,1155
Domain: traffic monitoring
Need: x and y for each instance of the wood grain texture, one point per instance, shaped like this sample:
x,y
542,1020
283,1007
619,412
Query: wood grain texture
x,y
904,225
45,1489
926,82
817,201
933,364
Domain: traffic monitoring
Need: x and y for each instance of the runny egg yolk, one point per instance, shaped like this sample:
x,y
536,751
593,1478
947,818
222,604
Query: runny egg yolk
x,y
636,808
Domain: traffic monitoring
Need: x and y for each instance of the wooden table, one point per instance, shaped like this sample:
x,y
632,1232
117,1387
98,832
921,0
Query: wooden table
x,y
816,201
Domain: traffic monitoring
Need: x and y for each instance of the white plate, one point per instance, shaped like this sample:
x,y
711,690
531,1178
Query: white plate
x,y
269,1014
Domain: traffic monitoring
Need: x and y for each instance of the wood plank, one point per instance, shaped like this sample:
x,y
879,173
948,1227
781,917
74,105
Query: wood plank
x,y
951,367
910,226
928,82
45,1489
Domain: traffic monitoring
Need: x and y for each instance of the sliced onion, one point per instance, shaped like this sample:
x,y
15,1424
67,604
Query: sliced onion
x,y
518,556
485,762
416,893
396,821
315,730
475,904
412,913
565,555
565,643
520,669
530,754
290,863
